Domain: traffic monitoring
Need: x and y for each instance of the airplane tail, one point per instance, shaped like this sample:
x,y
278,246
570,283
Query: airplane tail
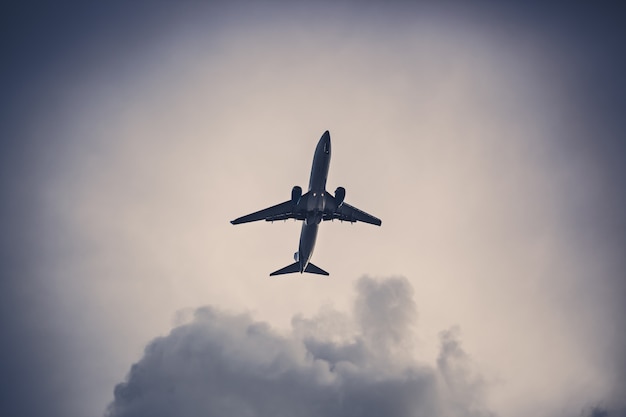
x,y
312,269
289,269
295,267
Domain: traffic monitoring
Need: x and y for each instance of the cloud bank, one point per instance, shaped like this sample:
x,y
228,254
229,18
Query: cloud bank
x,y
333,364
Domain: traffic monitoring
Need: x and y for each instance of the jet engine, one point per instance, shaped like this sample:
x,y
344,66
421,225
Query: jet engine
x,y
296,193
340,194
296,256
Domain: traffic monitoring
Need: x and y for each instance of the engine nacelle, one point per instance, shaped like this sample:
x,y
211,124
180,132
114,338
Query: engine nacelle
x,y
296,194
340,194
296,256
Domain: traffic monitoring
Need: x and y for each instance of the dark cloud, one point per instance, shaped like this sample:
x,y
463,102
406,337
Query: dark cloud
x,y
332,365
601,411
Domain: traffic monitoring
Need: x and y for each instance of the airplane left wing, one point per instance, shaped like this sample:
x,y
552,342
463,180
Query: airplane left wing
x,y
348,213
282,211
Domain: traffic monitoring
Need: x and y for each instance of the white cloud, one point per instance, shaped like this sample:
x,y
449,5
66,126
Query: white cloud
x,y
226,364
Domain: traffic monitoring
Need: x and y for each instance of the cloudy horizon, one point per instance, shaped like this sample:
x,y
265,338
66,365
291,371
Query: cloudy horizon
x,y
332,364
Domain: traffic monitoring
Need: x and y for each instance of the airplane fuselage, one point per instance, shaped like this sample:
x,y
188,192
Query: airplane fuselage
x,y
315,202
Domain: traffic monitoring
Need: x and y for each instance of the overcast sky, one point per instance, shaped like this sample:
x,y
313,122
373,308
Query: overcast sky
x,y
489,139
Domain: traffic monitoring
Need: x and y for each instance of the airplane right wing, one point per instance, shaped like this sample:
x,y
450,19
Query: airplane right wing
x,y
348,213
282,211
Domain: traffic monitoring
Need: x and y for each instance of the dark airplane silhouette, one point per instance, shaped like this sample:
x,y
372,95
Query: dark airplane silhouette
x,y
312,207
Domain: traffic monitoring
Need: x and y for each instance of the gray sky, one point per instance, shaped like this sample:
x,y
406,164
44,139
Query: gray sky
x,y
488,140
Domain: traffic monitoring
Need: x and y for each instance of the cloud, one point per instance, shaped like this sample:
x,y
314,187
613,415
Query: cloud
x,y
332,364
601,411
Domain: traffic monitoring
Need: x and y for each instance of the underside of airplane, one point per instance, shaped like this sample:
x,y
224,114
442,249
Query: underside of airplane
x,y
312,208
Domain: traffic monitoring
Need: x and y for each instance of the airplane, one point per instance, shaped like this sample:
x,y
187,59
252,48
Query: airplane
x,y
312,208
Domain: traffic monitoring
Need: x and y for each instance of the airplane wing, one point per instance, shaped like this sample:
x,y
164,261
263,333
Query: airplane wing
x,y
282,211
352,214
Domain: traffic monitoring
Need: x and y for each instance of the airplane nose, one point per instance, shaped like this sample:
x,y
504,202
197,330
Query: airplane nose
x,y
325,140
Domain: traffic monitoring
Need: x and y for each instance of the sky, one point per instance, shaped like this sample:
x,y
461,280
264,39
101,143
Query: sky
x,y
488,138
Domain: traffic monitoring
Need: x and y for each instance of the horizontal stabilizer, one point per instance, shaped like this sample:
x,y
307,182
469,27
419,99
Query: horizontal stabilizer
x,y
312,269
289,269
295,267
